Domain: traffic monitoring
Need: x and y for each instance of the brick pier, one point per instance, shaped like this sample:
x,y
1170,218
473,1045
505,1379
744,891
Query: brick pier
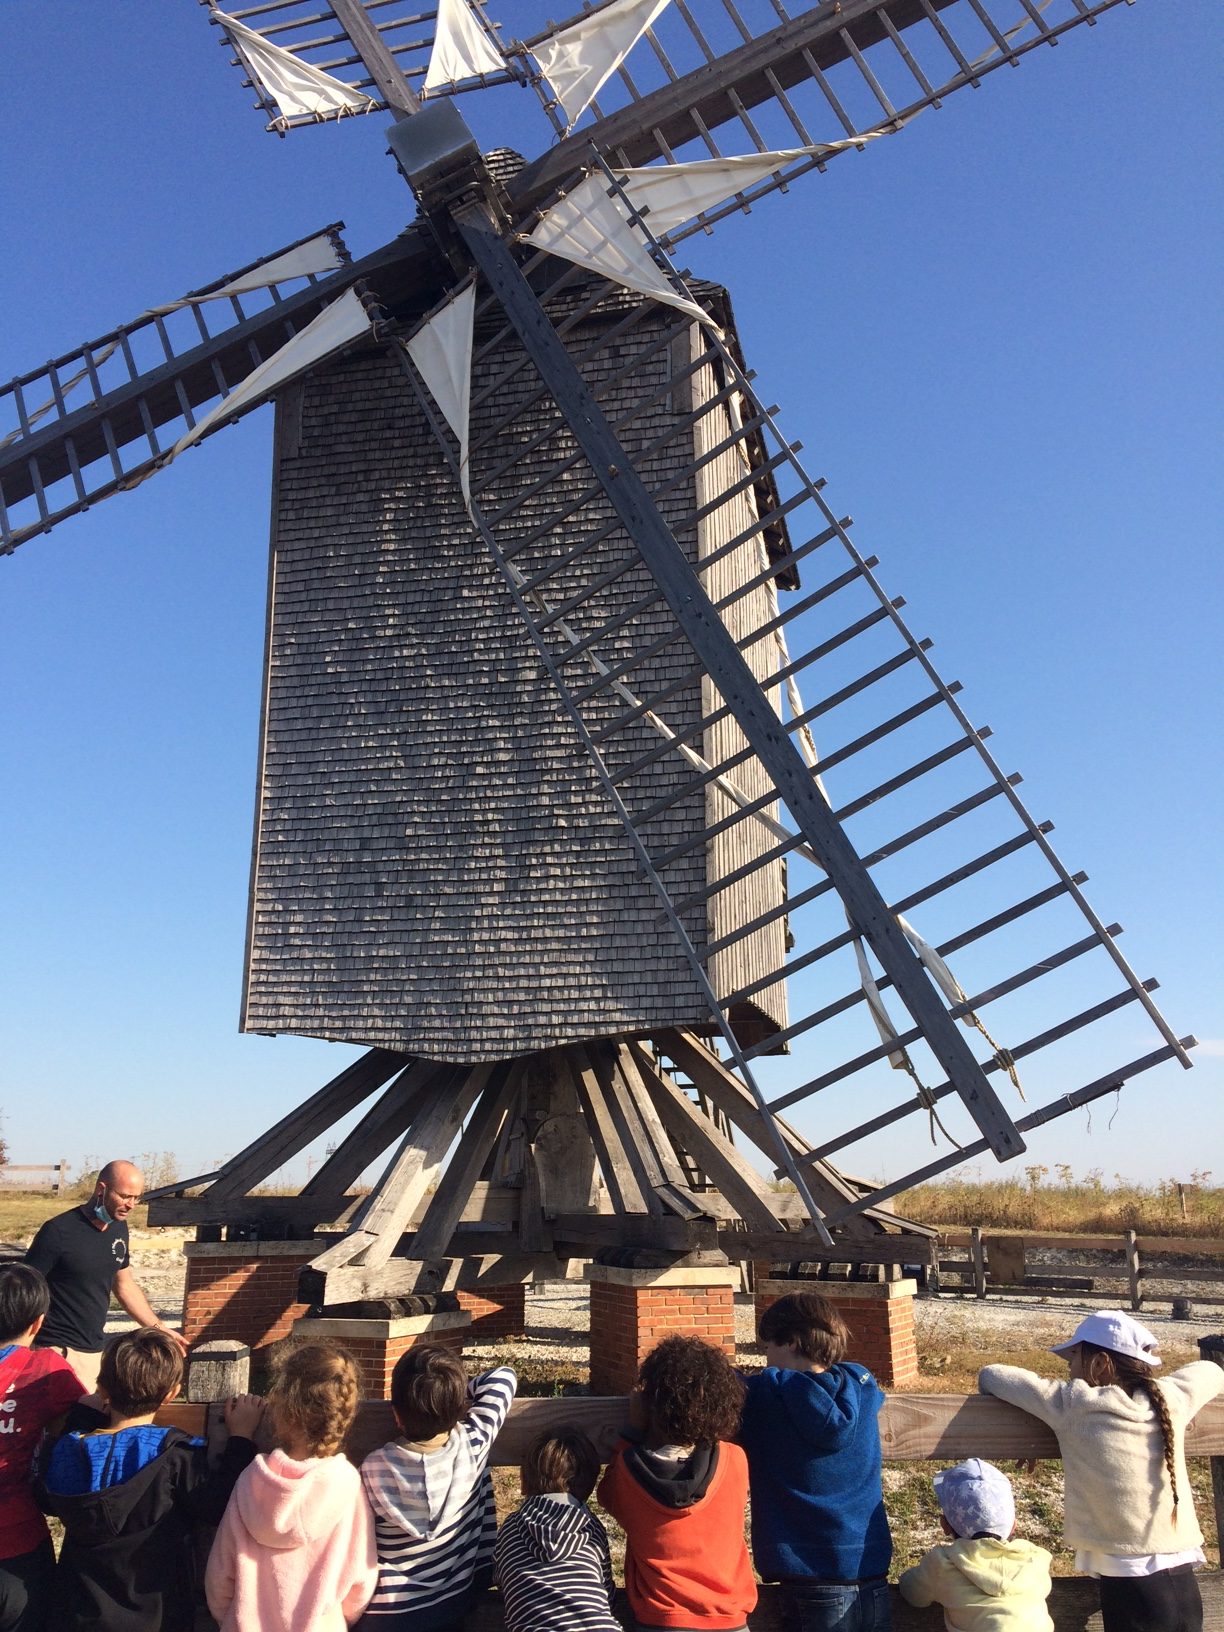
x,y
632,1309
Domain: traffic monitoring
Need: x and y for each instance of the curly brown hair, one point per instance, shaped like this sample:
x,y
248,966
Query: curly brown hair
x,y
692,1391
1102,1367
314,1392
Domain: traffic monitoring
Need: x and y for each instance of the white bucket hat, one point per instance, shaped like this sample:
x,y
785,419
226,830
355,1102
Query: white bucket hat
x,y
1115,1330
976,1498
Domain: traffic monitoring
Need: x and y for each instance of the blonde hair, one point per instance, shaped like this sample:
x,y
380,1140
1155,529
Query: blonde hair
x,y
315,1390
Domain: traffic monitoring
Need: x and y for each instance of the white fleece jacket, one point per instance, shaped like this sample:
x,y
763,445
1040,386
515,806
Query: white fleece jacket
x,y
1117,1494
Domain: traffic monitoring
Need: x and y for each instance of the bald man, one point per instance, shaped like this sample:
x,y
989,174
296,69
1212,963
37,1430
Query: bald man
x,y
84,1255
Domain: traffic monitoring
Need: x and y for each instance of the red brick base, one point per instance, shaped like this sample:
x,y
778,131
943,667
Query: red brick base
x,y
496,1311
880,1316
376,1345
633,1309
243,1289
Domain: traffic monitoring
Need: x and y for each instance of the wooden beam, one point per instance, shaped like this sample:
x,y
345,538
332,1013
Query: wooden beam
x,y
295,1131
630,1135
377,56
715,1154
386,1121
618,1171
446,1206
670,1185
387,1209
710,1075
488,1204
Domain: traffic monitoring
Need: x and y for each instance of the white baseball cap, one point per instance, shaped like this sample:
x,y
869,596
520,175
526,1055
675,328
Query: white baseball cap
x,y
976,1498
1115,1330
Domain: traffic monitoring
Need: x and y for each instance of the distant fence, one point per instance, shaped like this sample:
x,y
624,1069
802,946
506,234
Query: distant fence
x,y
51,1176
996,1261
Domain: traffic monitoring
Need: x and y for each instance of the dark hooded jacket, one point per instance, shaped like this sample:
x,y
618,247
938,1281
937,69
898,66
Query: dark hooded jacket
x,y
128,1502
553,1569
813,1445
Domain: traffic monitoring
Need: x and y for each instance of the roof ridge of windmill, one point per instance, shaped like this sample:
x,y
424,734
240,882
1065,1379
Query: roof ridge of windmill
x,y
648,828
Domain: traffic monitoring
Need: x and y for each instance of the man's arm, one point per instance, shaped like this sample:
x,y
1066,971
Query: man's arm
x,y
130,1293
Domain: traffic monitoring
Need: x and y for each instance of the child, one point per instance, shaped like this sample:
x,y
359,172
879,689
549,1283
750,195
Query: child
x,y
679,1490
985,1581
295,1551
1127,1506
128,1493
812,1437
551,1560
431,1493
36,1386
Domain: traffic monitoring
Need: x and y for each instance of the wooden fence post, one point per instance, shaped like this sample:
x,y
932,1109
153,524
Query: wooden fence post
x,y
1212,1348
979,1261
1133,1271
217,1370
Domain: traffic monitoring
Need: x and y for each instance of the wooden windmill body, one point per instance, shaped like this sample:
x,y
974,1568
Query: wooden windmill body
x,y
545,821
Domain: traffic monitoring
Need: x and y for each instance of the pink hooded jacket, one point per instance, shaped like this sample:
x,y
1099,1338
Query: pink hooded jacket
x,y
295,1551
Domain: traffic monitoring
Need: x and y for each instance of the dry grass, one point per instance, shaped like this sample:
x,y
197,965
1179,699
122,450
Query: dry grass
x,y
1058,1203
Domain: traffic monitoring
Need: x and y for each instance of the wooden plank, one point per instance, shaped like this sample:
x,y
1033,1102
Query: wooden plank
x,y
913,1427
295,1131
1179,1245
618,1171
377,56
399,1276
727,667
386,1121
445,1208
380,1221
534,1234
1133,1272
804,1246
630,1134
714,1153
488,1203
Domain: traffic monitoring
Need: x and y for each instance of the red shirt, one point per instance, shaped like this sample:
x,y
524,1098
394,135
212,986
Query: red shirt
x,y
685,1566
36,1386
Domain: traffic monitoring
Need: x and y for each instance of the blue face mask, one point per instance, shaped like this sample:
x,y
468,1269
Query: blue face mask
x,y
100,1212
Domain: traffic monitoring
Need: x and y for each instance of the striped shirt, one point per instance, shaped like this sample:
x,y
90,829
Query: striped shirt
x,y
553,1568
434,1519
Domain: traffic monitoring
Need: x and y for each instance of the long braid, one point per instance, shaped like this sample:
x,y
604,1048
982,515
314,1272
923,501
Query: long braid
x,y
316,1388
1159,1404
1104,1367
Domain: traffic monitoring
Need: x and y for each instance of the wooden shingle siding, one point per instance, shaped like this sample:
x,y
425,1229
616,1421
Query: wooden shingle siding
x,y
759,891
437,868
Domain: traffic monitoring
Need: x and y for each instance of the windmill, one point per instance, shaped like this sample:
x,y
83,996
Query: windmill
x,y
715,797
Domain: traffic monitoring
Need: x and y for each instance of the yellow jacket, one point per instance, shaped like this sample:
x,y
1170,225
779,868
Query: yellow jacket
x,y
984,1586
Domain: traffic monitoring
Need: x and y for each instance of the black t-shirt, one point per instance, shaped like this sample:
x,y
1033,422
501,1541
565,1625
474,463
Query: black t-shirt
x,y
80,1262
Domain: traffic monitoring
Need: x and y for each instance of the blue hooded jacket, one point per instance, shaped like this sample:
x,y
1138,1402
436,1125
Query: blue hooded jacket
x,y
813,1445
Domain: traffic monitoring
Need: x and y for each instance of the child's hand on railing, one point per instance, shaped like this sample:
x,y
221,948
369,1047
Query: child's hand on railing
x,y
243,1414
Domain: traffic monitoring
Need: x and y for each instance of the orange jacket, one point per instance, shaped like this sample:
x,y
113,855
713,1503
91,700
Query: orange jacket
x,y
685,1566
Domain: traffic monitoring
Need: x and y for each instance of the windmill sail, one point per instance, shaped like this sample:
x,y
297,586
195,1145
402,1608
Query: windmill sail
x,y
98,419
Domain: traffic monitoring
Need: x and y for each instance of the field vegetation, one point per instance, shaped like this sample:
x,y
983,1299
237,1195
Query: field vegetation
x,y
1057,1202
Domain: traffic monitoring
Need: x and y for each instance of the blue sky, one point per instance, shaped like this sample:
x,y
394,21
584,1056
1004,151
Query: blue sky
x,y
998,338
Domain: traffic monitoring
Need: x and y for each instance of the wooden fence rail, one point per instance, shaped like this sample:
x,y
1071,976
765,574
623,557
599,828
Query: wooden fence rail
x,y
913,1427
55,1173
996,1262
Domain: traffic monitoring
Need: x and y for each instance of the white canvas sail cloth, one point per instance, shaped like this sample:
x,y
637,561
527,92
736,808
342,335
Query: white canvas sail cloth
x,y
441,351
675,193
592,229
462,48
298,89
336,326
316,256
577,60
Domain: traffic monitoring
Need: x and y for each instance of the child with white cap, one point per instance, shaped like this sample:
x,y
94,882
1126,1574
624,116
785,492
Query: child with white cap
x,y
985,1580
1127,1506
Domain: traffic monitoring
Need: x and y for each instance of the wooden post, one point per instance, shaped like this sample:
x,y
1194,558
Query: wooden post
x,y
1133,1271
217,1370
979,1261
1212,1348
